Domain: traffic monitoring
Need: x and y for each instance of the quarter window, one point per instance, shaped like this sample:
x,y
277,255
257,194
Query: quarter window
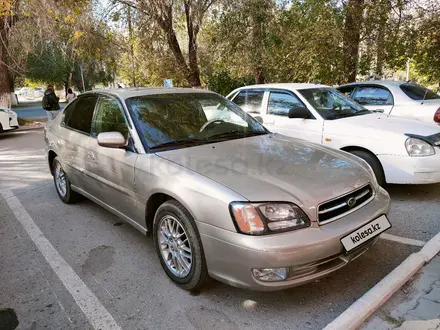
x,y
280,103
417,92
109,118
249,100
372,95
79,114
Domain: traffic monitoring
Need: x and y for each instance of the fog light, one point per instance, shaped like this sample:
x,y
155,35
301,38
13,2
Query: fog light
x,y
270,274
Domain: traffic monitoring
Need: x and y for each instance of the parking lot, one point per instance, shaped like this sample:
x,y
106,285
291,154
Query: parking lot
x,y
117,269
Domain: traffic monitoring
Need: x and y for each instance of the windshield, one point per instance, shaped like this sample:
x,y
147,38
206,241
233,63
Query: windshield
x,y
331,104
182,120
417,92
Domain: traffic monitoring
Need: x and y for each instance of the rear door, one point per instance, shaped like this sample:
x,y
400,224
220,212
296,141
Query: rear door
x,y
374,97
276,117
74,137
112,169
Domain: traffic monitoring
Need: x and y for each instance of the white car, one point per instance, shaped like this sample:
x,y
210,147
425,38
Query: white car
x,y
399,150
8,120
403,99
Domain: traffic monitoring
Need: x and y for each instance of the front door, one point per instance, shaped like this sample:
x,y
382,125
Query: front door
x,y
112,169
276,117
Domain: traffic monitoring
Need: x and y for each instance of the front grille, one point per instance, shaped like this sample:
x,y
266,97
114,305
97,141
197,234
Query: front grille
x,y
330,210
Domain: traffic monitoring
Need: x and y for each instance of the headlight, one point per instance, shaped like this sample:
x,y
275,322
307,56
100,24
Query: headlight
x,y
267,218
418,148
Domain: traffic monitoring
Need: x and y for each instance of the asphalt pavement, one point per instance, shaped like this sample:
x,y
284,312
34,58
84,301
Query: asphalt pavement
x,y
32,110
107,259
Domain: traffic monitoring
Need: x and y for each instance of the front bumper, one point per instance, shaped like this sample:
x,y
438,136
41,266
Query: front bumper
x,y
411,170
309,253
13,121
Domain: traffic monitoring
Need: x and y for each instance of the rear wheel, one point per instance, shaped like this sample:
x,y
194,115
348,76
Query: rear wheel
x,y
62,184
179,246
373,162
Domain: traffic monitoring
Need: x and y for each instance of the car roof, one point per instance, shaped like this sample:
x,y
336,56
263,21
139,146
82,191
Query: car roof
x,y
125,93
284,86
386,83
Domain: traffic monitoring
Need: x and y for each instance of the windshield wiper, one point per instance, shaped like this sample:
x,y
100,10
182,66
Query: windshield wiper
x,y
176,143
235,133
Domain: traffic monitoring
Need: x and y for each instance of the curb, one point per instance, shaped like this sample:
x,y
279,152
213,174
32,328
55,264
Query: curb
x,y
30,127
366,305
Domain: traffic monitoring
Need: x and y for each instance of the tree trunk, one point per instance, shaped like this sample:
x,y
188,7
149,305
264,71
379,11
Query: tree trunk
x,y
194,74
173,43
384,11
6,84
258,18
351,39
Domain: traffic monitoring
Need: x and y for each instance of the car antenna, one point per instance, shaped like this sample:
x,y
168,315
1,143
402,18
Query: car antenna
x,y
424,96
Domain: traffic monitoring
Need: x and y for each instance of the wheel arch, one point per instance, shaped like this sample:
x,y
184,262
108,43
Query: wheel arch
x,y
50,157
155,201
353,148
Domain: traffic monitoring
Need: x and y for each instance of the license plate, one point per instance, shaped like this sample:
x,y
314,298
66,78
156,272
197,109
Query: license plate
x,y
365,233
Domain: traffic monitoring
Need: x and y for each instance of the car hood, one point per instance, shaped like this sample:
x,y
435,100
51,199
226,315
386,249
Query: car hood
x,y
274,167
391,124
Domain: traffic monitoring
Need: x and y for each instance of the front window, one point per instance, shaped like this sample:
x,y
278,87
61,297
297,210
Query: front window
x,y
281,103
418,93
183,120
331,104
109,118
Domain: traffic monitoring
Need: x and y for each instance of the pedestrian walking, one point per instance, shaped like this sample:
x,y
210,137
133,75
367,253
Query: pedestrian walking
x,y
70,95
51,103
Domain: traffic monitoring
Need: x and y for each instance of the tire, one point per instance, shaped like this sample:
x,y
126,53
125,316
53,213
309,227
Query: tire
x,y
174,252
68,196
373,162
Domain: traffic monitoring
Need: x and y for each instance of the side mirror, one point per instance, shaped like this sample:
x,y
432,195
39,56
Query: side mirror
x,y
111,140
299,112
259,119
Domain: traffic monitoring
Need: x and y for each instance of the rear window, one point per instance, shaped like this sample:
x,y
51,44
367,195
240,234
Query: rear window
x,y
417,92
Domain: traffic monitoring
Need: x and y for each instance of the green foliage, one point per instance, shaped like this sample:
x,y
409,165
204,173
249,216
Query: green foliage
x,y
240,42
222,82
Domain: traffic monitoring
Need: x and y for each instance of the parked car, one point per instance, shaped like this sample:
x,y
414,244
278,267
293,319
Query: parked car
x,y
400,150
222,196
39,92
403,99
8,120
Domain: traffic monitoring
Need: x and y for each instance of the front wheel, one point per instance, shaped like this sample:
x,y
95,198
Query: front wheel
x,y
179,246
62,184
374,163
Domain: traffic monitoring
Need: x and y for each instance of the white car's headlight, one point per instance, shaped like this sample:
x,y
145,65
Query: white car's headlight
x,y
418,148
268,218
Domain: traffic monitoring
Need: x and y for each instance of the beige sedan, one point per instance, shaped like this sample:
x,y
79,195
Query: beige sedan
x,y
222,196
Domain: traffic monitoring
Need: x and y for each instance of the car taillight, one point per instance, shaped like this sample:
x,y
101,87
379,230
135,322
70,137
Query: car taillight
x,y
437,116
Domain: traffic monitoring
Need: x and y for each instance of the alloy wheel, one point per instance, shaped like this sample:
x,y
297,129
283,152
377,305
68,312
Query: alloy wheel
x,y
60,180
175,246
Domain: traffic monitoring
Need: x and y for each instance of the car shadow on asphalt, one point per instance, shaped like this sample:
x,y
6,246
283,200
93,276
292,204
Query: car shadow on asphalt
x,y
414,192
